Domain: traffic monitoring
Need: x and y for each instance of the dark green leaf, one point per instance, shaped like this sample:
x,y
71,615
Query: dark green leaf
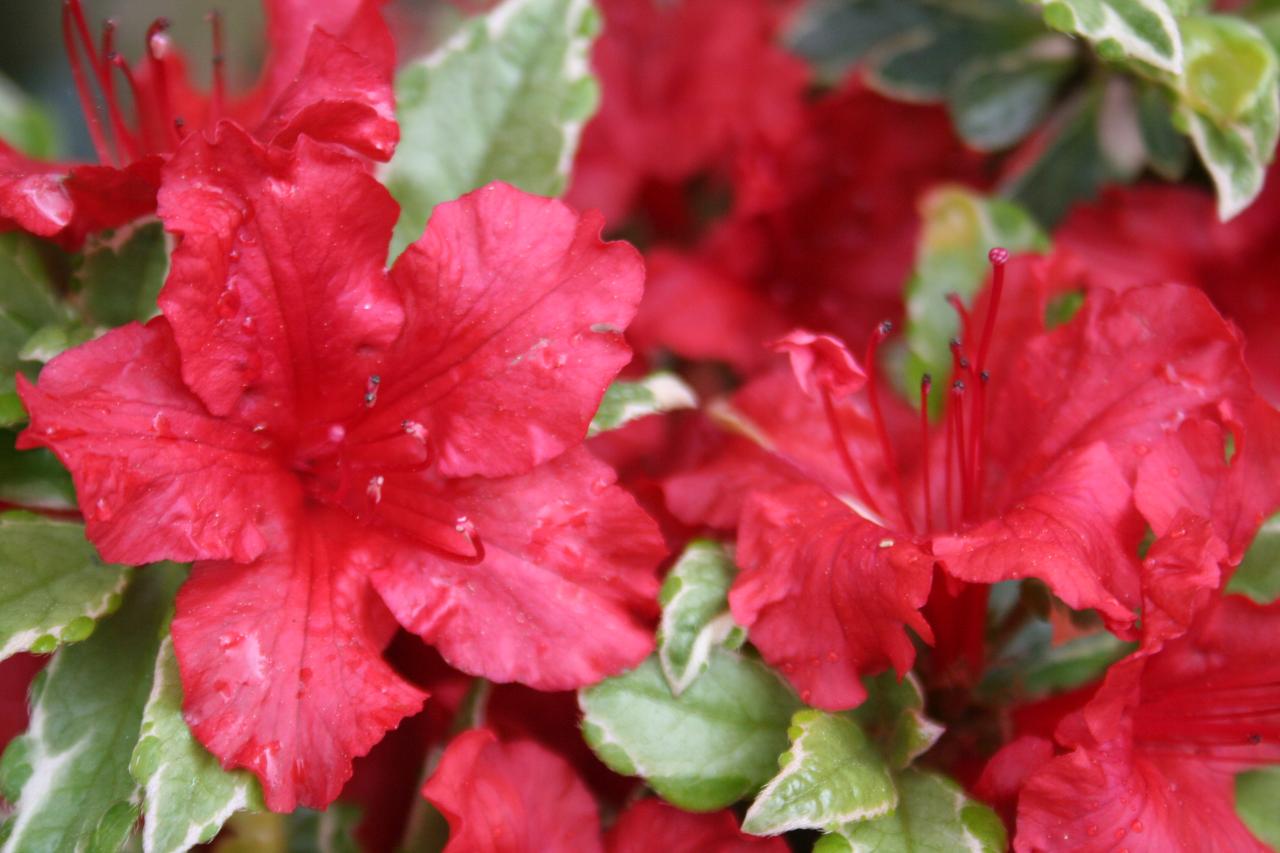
x,y
120,278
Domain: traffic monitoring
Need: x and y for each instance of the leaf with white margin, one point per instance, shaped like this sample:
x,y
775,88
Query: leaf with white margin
x,y
57,587
715,743
504,99
695,612
893,715
1229,104
187,794
933,813
833,774
1146,30
71,768
626,401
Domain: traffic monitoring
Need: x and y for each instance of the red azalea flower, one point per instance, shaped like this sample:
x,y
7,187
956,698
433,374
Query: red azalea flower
x,y
310,428
328,75
685,86
1155,752
1125,238
828,247
844,504
511,797
651,825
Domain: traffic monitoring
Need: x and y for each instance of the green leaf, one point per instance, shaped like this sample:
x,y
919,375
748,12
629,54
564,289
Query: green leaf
x,y
893,715
626,401
23,124
995,102
330,831
959,228
84,724
503,100
1258,803
33,478
1229,104
1081,151
1258,575
57,587
695,612
1145,30
933,813
27,304
714,744
187,794
121,277
832,774
1168,153
49,342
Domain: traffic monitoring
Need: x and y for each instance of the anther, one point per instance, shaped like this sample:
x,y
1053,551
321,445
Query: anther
x,y
415,429
371,391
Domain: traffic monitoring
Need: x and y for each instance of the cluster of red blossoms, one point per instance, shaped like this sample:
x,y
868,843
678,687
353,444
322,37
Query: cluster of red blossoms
x,y
351,456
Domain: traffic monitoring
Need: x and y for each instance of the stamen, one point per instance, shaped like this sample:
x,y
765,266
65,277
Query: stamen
x,y
961,312
124,139
926,383
144,130
998,257
71,10
886,446
219,80
947,462
957,405
850,467
371,391
157,47
979,425
178,125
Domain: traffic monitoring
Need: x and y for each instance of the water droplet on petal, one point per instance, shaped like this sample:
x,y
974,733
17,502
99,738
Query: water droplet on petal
x,y
102,510
228,302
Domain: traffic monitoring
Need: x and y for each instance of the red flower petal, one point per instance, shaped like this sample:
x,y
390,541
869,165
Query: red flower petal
x,y
280,670
515,311
1074,528
1189,471
511,797
652,825
276,290
821,364
158,477
1126,370
566,590
826,594
1179,574
341,95
1157,748
31,195
685,85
